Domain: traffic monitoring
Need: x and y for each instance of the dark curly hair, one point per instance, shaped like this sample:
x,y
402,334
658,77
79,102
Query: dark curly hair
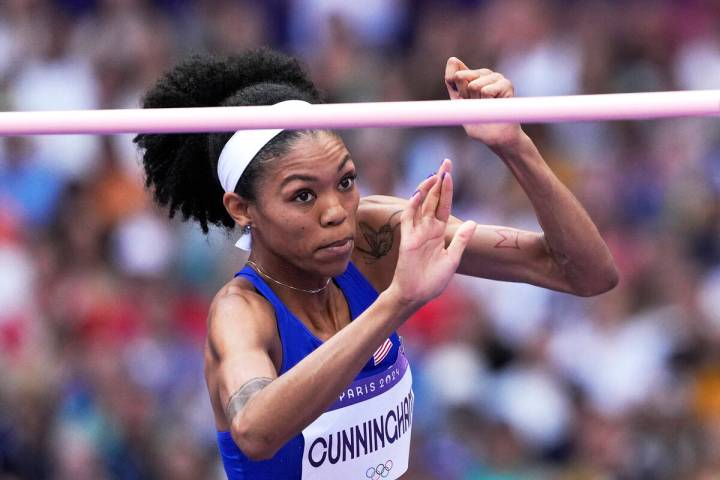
x,y
181,169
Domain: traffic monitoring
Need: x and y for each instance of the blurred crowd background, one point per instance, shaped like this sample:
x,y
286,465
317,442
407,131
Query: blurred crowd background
x,y
103,300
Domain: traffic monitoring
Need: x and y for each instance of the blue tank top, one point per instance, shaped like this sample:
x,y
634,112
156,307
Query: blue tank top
x,y
365,433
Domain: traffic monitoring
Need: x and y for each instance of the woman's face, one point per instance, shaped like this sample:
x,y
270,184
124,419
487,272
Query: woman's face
x,y
306,206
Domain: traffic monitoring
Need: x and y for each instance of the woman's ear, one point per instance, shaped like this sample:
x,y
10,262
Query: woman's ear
x,y
237,207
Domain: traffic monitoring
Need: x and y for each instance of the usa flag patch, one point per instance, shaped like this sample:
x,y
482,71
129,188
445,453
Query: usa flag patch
x,y
382,352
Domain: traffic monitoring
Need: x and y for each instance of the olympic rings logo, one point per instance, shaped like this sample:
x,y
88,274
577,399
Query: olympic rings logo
x,y
381,471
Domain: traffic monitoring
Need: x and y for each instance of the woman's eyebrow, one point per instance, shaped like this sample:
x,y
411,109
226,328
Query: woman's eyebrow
x,y
297,176
310,178
345,159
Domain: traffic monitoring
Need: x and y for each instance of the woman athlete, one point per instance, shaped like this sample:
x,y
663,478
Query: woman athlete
x,y
306,375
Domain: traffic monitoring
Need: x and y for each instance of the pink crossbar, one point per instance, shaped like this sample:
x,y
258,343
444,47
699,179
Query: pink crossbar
x,y
624,106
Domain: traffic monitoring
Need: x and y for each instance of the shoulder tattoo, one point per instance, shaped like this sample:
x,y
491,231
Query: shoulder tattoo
x,y
239,399
379,241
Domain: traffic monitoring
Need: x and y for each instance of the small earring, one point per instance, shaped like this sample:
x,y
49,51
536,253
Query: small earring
x,y
246,229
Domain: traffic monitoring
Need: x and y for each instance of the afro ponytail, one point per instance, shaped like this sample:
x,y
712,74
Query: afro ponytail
x,y
181,169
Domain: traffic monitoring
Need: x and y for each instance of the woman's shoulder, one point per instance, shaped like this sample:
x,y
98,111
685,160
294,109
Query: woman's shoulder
x,y
377,211
378,238
380,203
238,308
238,290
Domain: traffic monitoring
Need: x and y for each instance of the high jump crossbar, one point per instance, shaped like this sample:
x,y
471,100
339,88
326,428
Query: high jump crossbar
x,y
622,106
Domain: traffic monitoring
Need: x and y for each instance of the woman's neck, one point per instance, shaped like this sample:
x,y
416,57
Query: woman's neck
x,y
314,299
285,274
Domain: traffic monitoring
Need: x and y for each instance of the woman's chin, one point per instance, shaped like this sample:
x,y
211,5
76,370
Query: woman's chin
x,y
334,260
332,267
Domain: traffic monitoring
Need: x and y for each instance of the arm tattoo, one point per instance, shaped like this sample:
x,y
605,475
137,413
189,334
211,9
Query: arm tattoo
x,y
380,241
241,396
508,239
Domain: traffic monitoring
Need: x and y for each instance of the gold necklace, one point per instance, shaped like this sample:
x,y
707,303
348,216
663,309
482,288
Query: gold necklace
x,y
260,271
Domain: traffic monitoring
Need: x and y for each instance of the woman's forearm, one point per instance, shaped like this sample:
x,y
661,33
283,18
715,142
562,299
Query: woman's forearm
x,y
295,399
572,239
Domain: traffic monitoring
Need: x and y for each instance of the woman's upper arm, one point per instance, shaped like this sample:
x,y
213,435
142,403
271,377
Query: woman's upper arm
x,y
495,252
240,337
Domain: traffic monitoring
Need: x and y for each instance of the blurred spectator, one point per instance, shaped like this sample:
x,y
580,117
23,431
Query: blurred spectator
x,y
103,301
26,185
41,82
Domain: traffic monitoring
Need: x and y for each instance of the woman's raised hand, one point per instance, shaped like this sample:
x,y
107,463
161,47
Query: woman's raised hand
x,y
463,82
425,266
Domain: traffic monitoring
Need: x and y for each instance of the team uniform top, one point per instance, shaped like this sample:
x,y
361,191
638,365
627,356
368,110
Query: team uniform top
x,y
365,433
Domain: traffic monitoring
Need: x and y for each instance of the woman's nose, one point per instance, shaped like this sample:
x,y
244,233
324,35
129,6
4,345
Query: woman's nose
x,y
334,214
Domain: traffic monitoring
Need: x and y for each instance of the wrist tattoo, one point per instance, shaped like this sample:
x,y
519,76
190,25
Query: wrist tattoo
x,y
379,241
508,239
241,396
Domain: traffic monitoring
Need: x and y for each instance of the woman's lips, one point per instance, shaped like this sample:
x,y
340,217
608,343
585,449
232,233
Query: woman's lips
x,y
341,247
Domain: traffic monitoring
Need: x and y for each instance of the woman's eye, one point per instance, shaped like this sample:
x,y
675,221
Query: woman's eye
x,y
303,197
347,183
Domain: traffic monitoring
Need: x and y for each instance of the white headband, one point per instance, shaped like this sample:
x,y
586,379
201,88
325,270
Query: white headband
x,y
237,154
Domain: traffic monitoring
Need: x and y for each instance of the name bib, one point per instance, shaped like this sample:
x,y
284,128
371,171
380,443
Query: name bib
x,y
366,433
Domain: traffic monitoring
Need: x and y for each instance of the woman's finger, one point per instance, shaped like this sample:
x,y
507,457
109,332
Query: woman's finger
x,y
501,89
434,195
477,88
470,75
445,203
408,215
445,166
460,241
424,190
461,85
453,65
463,79
429,206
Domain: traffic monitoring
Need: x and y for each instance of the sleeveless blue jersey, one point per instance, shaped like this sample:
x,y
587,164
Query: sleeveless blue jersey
x,y
365,433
